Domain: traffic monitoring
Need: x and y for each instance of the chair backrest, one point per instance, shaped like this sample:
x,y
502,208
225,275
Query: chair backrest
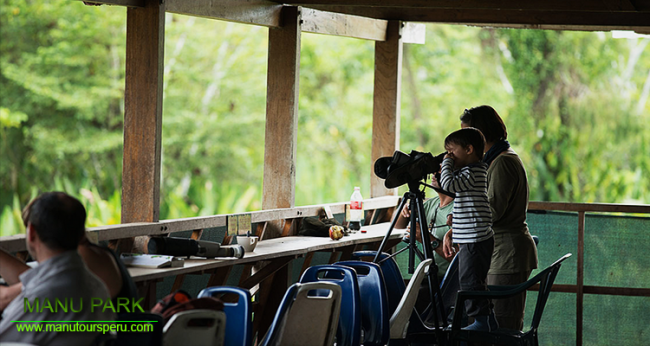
x,y
400,318
545,278
349,327
395,286
195,327
374,302
306,316
153,338
239,315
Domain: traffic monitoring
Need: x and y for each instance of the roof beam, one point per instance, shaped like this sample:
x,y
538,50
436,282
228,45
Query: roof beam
x,y
257,12
329,23
585,20
127,3
533,5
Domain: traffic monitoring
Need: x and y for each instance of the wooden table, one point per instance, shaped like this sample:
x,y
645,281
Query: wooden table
x,y
269,250
271,258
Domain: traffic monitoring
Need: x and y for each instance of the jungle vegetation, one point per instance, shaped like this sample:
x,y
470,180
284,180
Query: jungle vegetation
x,y
575,103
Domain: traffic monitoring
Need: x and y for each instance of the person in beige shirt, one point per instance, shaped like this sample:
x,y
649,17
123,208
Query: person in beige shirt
x,y
515,253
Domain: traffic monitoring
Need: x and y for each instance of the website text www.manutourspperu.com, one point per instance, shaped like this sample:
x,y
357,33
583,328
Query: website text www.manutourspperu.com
x,y
84,326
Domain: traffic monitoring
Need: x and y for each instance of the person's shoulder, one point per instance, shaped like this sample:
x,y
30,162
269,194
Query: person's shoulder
x,y
507,159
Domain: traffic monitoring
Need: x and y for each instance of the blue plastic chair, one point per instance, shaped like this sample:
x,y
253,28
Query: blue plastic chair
x,y
374,302
395,286
349,328
308,315
239,321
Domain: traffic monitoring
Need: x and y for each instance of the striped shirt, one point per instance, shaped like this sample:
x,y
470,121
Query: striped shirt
x,y
472,221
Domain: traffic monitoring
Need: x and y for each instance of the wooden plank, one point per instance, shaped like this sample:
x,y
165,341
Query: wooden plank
x,y
528,19
590,207
282,112
16,243
256,12
265,272
537,5
219,277
414,33
307,263
386,102
269,250
580,280
280,283
128,3
330,23
145,41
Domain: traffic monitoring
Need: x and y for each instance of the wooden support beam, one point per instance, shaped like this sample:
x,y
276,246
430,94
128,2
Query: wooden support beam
x,y
265,272
580,278
282,112
537,5
330,23
127,3
522,19
414,33
257,12
386,102
219,276
145,41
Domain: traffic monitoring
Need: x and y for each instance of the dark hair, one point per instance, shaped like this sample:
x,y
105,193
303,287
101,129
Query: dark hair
x,y
58,218
466,137
487,120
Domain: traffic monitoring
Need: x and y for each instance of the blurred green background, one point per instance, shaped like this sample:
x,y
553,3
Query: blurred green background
x,y
575,103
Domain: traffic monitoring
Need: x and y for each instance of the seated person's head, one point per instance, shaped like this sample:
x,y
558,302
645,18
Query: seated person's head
x,y
465,146
54,220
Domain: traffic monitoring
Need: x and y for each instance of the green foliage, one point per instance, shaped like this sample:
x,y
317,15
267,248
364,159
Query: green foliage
x,y
574,104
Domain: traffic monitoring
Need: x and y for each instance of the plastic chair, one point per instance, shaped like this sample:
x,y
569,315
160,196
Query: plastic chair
x,y
153,338
195,327
349,327
239,317
395,286
374,302
399,321
504,336
306,316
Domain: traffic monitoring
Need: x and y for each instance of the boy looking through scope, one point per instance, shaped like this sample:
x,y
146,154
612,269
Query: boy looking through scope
x,y
464,174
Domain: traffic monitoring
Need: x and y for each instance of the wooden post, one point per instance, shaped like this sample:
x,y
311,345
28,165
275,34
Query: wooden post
x,y
282,112
580,281
280,144
145,41
386,102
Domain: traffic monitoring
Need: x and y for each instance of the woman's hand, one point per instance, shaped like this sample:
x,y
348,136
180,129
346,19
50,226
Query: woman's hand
x,y
450,218
447,245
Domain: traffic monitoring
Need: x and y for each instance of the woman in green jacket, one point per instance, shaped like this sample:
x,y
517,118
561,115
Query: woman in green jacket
x,y
515,253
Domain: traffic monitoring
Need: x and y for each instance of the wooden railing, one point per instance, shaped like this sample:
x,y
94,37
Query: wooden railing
x,y
579,288
372,207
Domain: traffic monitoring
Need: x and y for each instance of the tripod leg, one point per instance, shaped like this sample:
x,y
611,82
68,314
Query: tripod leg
x,y
434,285
390,229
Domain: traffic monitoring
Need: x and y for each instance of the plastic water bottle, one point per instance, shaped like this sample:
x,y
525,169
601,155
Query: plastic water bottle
x,y
356,209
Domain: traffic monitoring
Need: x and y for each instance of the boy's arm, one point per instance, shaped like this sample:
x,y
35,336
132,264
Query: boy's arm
x,y
461,182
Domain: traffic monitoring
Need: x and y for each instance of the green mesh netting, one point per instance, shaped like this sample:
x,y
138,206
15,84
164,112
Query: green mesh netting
x,y
615,255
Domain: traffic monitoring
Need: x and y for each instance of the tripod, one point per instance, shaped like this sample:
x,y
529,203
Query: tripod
x,y
415,198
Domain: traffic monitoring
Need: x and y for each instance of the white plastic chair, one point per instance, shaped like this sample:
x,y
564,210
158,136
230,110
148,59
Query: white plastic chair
x,y
399,321
306,316
196,328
